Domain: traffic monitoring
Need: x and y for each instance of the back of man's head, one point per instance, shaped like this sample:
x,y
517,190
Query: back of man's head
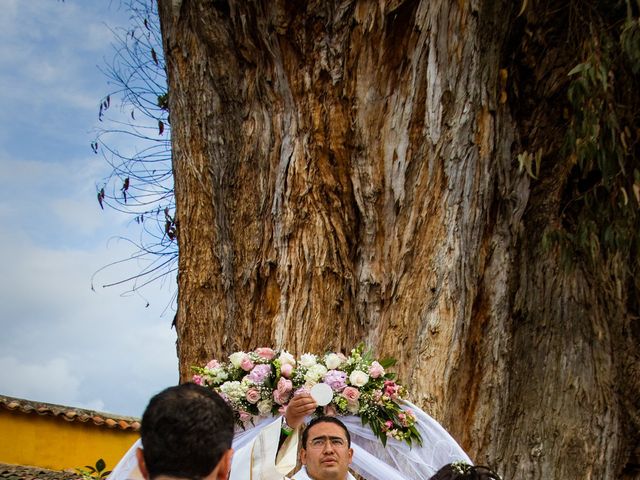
x,y
185,432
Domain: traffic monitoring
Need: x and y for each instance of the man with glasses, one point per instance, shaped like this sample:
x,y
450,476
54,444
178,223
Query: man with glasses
x,y
326,451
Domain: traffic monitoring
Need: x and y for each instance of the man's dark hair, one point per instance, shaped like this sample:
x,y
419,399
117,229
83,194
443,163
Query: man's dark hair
x,y
464,471
185,431
324,419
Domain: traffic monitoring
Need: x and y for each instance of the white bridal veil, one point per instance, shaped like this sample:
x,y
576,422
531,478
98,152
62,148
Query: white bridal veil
x,y
396,461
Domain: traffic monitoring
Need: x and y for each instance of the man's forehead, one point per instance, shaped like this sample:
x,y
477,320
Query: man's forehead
x,y
327,429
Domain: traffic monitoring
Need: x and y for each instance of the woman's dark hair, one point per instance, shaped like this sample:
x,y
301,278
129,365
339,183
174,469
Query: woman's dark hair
x,y
464,471
324,419
185,431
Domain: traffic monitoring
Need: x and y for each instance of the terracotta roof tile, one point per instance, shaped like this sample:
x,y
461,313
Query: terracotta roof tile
x,y
70,414
98,420
22,472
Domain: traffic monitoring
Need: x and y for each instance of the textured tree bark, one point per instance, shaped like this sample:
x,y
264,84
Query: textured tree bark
x,y
345,171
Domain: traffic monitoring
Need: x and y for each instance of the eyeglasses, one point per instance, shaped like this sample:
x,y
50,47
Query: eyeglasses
x,y
320,442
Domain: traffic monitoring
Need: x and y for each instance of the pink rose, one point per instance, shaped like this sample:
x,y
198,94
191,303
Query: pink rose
x,y
197,379
286,370
284,385
280,398
391,389
253,395
212,364
246,364
351,394
265,352
376,370
283,391
244,416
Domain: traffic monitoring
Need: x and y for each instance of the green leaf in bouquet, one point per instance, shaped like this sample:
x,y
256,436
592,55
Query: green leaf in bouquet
x,y
269,381
387,362
415,434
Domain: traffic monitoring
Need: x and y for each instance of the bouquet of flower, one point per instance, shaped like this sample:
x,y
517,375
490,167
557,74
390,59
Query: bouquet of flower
x,y
261,383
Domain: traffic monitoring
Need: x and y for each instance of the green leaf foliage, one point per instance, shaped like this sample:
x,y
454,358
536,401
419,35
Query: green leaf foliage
x,y
96,472
600,216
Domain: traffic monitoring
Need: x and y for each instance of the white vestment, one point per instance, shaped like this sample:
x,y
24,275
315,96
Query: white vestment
x,y
302,475
257,457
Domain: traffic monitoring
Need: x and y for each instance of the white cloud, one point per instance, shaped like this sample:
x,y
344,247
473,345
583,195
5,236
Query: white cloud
x,y
116,351
51,379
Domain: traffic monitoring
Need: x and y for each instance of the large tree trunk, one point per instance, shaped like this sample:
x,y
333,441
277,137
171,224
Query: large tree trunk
x,y
345,171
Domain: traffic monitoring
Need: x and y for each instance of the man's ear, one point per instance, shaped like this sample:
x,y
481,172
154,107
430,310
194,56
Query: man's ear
x,y
141,465
224,465
303,456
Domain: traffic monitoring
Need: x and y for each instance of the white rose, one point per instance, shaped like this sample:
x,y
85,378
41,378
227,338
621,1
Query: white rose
x,y
308,360
353,407
332,361
358,378
287,359
234,390
315,373
236,358
310,379
320,370
264,407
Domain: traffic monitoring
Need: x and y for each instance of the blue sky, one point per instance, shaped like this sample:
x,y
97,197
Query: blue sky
x,y
61,342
